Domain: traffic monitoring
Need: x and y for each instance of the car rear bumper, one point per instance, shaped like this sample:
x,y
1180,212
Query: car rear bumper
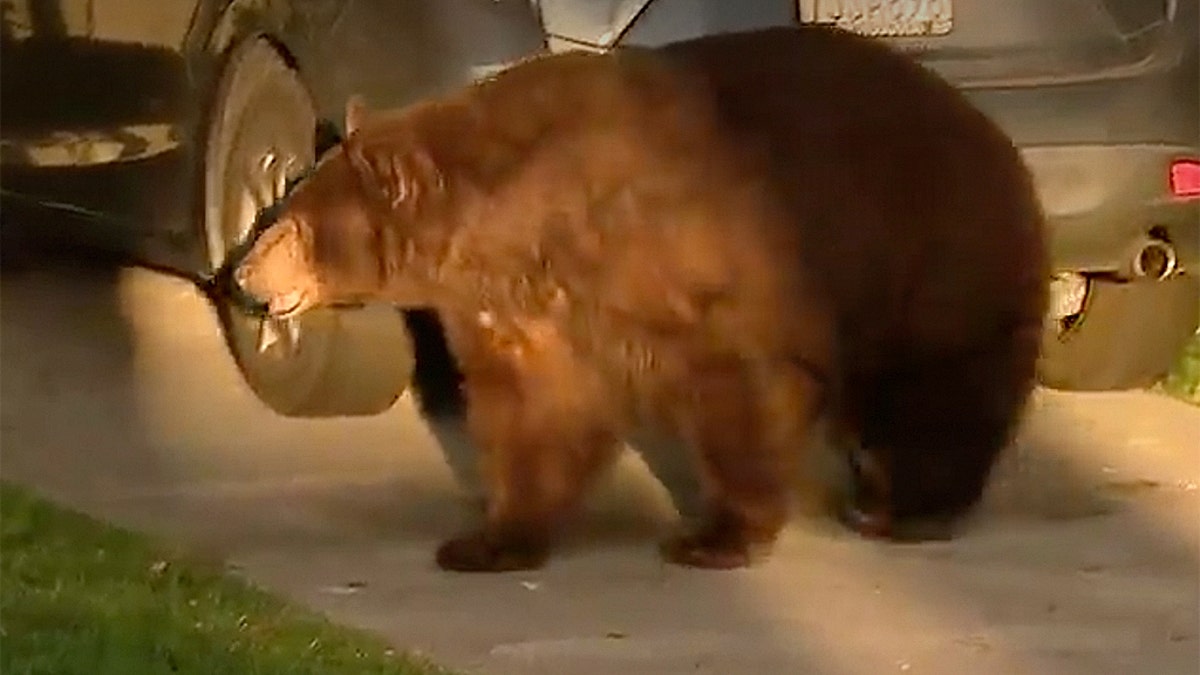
x,y
1101,201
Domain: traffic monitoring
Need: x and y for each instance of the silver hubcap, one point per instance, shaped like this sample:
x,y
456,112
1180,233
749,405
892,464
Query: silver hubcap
x,y
257,177
265,180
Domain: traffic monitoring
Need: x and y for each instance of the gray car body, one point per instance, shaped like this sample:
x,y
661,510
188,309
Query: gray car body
x,y
1099,95
1098,100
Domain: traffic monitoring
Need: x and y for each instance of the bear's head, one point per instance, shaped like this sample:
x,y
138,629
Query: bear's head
x,y
340,235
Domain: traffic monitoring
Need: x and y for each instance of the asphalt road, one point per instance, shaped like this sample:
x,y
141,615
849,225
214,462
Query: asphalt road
x,y
118,397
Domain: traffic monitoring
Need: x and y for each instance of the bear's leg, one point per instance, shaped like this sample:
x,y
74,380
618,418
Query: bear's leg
x,y
931,435
747,429
543,442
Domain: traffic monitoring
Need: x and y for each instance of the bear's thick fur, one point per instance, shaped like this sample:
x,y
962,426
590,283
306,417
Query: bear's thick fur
x,y
722,238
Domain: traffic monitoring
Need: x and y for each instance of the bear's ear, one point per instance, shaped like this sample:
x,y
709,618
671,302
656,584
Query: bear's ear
x,y
356,113
401,177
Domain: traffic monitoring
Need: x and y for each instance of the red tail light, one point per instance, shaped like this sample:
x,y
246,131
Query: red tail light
x,y
1185,178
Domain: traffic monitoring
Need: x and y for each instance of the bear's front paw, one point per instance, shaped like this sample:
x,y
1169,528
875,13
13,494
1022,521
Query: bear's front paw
x,y
706,552
479,553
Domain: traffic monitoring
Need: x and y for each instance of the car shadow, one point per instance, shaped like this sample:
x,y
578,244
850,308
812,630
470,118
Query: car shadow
x,y
67,377
1090,495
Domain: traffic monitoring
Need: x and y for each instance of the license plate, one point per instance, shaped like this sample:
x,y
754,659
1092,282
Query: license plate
x,y
882,18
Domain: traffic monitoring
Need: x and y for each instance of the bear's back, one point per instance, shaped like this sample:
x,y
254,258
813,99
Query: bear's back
x,y
916,211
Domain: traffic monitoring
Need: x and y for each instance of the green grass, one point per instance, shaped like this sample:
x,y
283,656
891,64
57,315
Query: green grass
x,y
79,596
1184,379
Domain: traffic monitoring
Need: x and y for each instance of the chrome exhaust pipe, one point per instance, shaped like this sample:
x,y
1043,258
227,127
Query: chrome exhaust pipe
x,y
1153,259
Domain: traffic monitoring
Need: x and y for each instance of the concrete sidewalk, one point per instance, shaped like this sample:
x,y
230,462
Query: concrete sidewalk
x,y
118,397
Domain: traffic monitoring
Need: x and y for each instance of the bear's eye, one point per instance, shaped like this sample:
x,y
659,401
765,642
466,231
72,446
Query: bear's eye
x,y
280,255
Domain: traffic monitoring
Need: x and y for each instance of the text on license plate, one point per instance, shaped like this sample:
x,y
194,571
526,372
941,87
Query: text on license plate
x,y
882,18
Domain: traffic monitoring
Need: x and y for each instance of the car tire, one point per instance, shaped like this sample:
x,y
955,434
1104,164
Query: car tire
x,y
262,133
1127,335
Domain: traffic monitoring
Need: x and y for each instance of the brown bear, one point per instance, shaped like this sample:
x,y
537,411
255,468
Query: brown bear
x,y
721,238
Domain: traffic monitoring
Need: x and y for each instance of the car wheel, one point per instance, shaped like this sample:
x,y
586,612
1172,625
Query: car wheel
x,y
1124,336
327,362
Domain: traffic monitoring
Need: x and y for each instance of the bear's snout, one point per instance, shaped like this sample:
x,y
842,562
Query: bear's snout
x,y
275,273
278,295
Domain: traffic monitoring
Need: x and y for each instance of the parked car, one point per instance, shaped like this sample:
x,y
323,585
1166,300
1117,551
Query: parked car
x,y
1101,96
157,129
